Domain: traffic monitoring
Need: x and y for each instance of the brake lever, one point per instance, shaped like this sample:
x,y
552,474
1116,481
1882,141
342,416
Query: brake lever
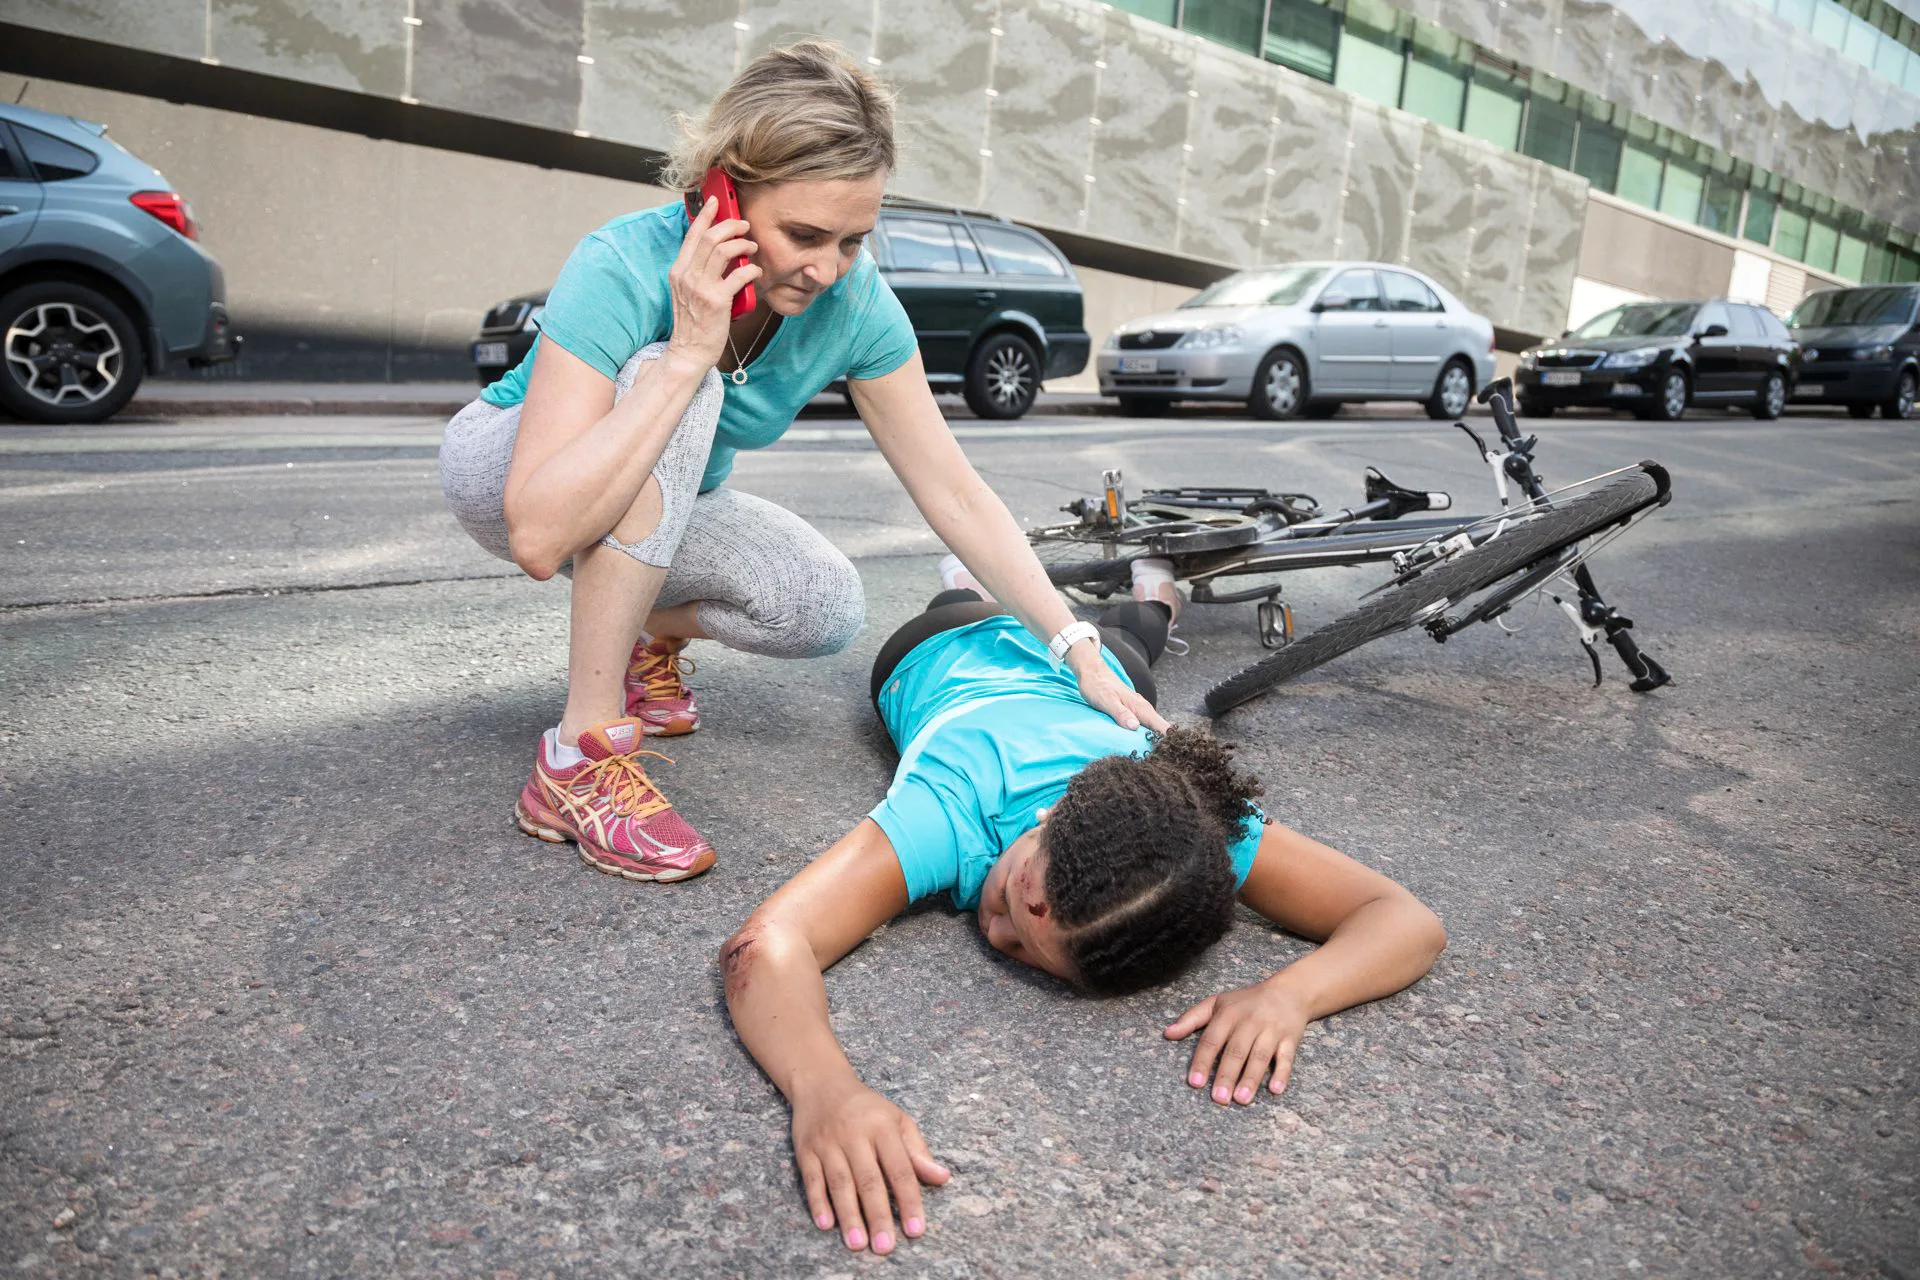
x,y
1593,656
1474,436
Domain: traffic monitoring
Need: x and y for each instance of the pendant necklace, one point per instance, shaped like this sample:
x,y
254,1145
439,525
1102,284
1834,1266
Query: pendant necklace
x,y
739,374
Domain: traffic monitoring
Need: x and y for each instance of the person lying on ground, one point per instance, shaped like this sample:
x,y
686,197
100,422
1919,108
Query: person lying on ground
x,y
1109,858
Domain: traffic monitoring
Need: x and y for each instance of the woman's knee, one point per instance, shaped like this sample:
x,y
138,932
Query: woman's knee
x,y
810,614
834,609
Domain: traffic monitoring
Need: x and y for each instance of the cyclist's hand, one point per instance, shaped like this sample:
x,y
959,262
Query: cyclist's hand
x,y
1104,691
1247,1031
703,288
856,1150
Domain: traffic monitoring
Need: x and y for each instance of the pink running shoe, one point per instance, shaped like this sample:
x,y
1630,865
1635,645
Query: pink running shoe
x,y
608,806
657,693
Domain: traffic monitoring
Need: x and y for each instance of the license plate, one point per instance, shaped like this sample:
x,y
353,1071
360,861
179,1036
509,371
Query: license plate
x,y
1139,364
489,353
1810,389
1561,378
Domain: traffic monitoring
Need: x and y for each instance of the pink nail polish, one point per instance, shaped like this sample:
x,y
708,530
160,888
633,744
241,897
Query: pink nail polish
x,y
1245,1095
915,1226
1220,1095
824,1221
1197,1079
856,1239
882,1242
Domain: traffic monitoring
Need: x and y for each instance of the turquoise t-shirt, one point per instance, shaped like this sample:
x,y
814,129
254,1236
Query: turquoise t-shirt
x,y
611,300
991,730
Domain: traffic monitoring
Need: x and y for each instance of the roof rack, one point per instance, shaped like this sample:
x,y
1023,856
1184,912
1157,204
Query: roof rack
x,y
932,206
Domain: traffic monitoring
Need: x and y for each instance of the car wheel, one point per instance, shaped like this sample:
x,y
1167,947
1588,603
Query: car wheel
x,y
1534,409
1906,397
1452,391
1773,397
1279,388
1321,409
71,354
1672,400
1003,377
1140,406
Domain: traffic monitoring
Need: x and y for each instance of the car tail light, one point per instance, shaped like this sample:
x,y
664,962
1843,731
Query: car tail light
x,y
171,208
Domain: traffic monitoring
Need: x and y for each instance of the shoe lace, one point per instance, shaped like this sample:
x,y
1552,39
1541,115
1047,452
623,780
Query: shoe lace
x,y
624,782
663,675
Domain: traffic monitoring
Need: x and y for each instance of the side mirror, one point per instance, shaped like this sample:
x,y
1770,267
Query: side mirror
x,y
1333,302
1714,331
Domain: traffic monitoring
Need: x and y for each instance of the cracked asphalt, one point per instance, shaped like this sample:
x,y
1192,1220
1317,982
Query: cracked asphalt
x,y
282,991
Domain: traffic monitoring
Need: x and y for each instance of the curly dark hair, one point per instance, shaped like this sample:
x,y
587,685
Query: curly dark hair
x,y
1137,868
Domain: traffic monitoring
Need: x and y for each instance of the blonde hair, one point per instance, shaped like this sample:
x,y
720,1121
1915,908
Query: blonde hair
x,y
805,112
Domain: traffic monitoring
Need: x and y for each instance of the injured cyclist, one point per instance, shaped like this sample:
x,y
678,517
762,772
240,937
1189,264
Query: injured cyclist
x,y
1110,858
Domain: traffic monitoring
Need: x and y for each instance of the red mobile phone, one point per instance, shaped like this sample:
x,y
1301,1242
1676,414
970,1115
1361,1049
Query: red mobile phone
x,y
717,185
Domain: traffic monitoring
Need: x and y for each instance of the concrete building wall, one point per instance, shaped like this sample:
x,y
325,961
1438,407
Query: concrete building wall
x,y
1064,113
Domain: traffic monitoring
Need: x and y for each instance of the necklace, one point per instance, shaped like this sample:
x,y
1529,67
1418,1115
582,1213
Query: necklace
x,y
739,374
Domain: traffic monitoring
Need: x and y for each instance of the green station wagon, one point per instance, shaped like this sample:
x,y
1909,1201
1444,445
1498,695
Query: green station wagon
x,y
995,306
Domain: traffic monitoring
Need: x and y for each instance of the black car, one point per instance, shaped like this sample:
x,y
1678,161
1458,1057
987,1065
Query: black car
x,y
996,307
1657,358
1861,348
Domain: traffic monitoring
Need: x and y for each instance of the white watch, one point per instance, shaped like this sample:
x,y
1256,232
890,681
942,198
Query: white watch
x,y
1070,635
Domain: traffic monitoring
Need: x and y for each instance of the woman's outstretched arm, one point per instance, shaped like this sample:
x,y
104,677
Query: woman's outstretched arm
x,y
859,1154
904,420
1375,938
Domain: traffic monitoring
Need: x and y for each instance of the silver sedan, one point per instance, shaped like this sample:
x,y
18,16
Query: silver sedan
x,y
1305,338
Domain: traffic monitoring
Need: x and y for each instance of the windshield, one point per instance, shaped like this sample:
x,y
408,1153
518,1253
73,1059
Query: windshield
x,y
1640,320
1277,288
1853,306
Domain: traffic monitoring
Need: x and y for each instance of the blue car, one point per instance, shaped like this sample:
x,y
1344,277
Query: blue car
x,y
101,277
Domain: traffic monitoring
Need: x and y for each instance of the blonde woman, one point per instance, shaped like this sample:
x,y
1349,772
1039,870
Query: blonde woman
x,y
605,453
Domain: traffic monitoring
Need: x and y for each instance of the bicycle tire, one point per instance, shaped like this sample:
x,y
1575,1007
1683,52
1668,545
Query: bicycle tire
x,y
1455,579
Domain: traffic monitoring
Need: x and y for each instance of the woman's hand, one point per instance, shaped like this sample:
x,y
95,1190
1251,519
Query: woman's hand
x,y
1246,1032
1106,692
855,1149
703,288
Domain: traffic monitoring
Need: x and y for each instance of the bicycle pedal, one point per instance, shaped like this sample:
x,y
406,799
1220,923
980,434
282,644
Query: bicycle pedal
x,y
1276,623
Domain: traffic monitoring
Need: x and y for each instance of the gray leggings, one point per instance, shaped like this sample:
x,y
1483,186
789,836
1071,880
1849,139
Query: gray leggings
x,y
769,583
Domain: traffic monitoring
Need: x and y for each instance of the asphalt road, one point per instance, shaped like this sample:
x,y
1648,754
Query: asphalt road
x,y
282,991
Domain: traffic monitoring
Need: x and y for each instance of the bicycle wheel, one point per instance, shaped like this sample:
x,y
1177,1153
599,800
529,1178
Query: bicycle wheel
x,y
1451,580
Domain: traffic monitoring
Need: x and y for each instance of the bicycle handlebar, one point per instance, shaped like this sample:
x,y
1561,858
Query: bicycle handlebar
x,y
1498,396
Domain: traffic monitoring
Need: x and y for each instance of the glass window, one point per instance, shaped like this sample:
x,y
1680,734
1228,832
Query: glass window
x,y
1680,192
1745,324
1829,23
1014,253
1797,12
1823,241
1494,110
1596,155
1370,65
1771,323
1639,176
54,160
922,245
1235,23
7,166
1279,287
1850,259
1640,320
1720,205
1550,129
1711,314
1361,289
1303,35
1853,306
1790,235
1879,264
1890,59
1760,209
1906,267
1913,73
1404,293
1435,89
1158,10
1863,40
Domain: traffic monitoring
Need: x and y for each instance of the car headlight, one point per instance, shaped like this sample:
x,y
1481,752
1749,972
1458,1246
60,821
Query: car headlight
x,y
1112,343
532,321
1529,359
1226,335
1874,353
1639,358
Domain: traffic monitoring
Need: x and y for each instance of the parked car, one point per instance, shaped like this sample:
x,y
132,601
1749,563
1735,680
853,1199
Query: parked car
x,y
1861,348
996,307
1656,358
101,277
1305,338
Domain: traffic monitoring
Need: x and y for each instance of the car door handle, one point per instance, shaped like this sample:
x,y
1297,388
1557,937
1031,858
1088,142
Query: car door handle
x,y
6,209
1379,324
984,295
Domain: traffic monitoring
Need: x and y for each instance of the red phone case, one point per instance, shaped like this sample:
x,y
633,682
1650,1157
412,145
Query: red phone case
x,y
718,186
